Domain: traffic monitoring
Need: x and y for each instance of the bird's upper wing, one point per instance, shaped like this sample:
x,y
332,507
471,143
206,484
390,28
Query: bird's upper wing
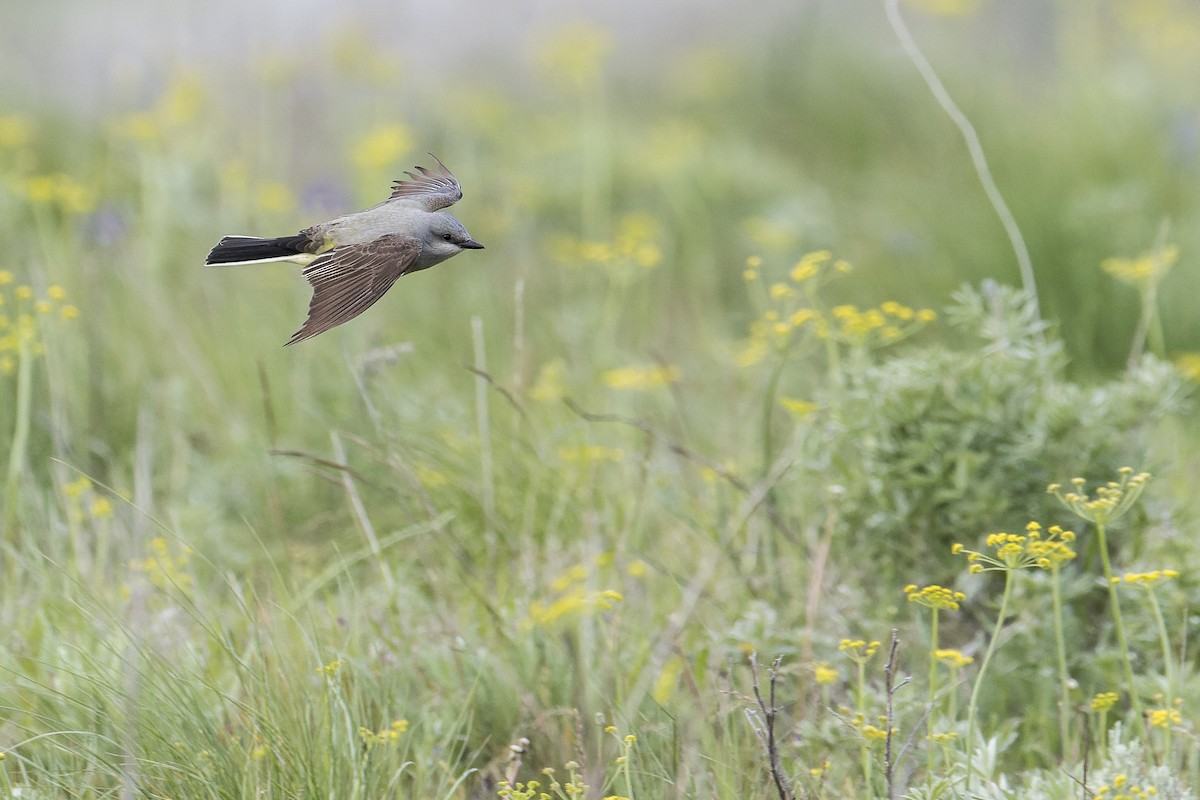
x,y
348,279
431,189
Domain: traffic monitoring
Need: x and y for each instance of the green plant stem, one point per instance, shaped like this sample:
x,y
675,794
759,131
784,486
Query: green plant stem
x,y
1134,703
933,643
20,439
862,712
625,771
1164,642
768,412
987,658
1064,679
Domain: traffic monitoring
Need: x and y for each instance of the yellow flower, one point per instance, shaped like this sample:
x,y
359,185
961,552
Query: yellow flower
x,y
549,385
858,650
810,265
823,673
798,408
1149,267
934,596
1164,717
1011,551
640,378
6,277
575,56
101,508
1189,365
23,292
15,132
1104,701
1148,579
382,147
275,198
953,658
1109,502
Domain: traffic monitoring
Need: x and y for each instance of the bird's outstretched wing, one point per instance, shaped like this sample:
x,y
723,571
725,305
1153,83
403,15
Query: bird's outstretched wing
x,y
431,189
347,280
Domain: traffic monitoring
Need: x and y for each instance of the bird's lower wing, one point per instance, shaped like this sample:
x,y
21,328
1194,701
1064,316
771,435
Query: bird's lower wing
x,y
347,280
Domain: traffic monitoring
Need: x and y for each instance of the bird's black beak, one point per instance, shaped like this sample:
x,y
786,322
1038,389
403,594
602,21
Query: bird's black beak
x,y
471,244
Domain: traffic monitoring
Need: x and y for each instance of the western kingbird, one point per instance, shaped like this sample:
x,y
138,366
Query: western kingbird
x,y
353,260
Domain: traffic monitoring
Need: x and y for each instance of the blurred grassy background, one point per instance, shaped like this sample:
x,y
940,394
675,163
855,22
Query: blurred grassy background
x,y
621,167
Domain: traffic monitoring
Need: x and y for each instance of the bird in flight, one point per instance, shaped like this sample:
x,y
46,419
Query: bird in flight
x,y
353,260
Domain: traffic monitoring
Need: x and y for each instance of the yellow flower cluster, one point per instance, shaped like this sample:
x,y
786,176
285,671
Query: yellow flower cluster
x,y
632,251
953,658
330,669
573,597
1164,717
858,650
165,567
1104,701
1052,550
386,736
82,501
1147,268
1109,502
640,379
823,673
792,307
1122,789
179,107
574,787
20,309
934,596
381,147
1189,365
1012,551
58,191
1147,579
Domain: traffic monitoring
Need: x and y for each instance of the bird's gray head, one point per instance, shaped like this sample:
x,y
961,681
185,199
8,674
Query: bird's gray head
x,y
446,237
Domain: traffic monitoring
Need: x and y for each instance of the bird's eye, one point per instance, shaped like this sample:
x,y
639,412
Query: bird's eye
x,y
446,236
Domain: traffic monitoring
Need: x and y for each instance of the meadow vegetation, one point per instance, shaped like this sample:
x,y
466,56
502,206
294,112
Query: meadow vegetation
x,y
742,376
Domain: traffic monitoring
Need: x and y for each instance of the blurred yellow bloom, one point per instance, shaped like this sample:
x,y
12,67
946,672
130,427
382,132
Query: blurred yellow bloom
x,y
823,673
591,454
15,131
1189,365
382,147
275,198
183,102
63,191
667,680
798,408
549,385
637,378
576,55
1149,267
769,235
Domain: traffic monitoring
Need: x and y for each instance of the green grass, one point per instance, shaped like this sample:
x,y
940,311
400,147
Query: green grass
x,y
541,490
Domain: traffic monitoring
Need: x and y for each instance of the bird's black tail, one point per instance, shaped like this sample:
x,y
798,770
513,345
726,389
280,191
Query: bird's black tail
x,y
242,249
